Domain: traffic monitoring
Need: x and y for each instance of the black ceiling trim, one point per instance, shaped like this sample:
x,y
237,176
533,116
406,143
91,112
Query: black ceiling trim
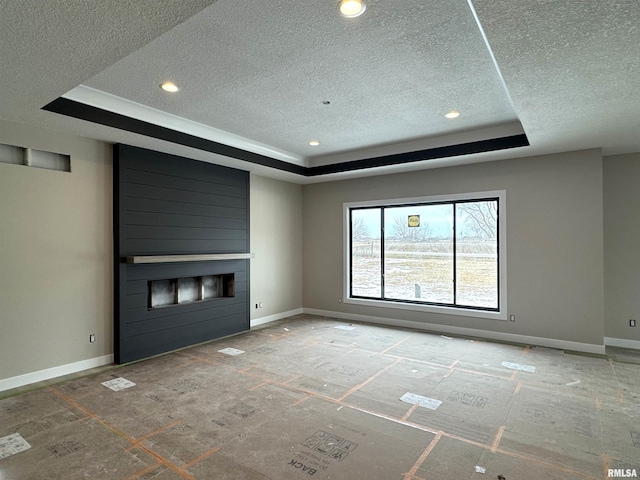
x,y
82,111
480,146
92,114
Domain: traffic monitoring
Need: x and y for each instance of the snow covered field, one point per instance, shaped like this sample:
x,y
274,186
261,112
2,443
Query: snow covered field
x,y
423,271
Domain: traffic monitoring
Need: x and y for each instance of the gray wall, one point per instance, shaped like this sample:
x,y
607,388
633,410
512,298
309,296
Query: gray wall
x,y
55,254
622,245
56,260
554,241
56,247
276,241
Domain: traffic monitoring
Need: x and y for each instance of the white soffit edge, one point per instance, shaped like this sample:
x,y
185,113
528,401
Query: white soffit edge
x,y
106,101
259,77
112,103
506,129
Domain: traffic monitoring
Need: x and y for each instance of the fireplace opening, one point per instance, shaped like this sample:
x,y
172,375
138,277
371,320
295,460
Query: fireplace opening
x,y
178,291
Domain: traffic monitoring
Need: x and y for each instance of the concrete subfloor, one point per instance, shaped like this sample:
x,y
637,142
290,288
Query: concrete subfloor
x,y
319,398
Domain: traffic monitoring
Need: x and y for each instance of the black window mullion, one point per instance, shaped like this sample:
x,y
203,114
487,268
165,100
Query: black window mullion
x,y
382,259
455,254
350,252
498,250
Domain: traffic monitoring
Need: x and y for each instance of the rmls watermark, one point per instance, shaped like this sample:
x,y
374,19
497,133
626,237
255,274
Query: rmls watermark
x,y
622,473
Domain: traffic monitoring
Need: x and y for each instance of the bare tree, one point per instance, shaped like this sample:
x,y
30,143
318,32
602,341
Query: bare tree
x,y
424,232
359,230
400,228
481,218
402,231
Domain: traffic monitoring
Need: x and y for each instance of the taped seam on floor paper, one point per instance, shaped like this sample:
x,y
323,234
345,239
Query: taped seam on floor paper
x,y
118,384
426,402
12,444
231,351
345,327
517,366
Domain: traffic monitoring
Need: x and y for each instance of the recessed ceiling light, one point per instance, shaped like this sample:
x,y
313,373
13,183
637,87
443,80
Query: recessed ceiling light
x,y
351,8
314,143
452,114
169,87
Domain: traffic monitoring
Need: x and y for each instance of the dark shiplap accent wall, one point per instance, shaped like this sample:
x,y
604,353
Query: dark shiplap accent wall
x,y
164,205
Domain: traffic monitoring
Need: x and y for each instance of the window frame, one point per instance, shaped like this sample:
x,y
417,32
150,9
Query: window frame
x,y
469,311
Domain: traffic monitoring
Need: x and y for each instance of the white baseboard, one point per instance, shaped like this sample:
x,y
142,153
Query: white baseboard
x,y
472,332
54,372
277,316
622,343
59,371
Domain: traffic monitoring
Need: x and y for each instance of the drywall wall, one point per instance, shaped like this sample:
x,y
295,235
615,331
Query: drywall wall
x,y
276,241
554,242
55,254
56,247
622,246
56,261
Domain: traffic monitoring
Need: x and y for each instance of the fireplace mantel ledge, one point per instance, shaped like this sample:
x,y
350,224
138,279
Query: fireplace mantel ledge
x,y
139,259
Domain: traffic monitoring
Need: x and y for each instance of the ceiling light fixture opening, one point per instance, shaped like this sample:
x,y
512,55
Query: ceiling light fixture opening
x,y
351,8
314,143
452,114
169,87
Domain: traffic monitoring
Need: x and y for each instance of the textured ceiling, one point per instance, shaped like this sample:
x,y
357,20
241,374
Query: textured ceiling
x,y
564,72
49,47
263,73
572,68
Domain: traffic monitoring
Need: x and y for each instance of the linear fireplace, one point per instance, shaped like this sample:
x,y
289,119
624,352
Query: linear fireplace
x,y
176,291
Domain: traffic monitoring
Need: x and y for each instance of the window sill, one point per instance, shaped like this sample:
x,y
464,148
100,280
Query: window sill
x,y
463,312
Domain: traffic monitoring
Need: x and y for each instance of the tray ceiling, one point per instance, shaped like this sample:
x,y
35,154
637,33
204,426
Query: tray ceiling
x,y
265,78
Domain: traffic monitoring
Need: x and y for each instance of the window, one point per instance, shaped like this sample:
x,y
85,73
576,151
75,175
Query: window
x,y
443,254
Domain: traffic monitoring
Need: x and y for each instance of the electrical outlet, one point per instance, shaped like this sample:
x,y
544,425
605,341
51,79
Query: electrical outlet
x,y
92,338
632,323
512,318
